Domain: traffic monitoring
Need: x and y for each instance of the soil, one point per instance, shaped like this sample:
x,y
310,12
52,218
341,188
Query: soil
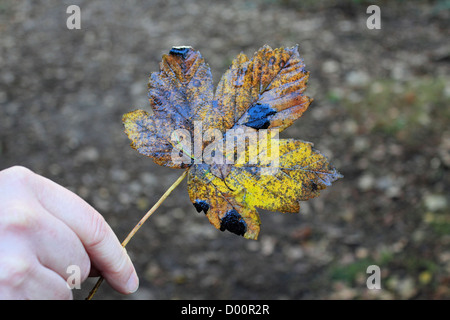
x,y
63,93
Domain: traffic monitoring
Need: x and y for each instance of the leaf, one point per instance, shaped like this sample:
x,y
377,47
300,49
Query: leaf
x,y
196,128
271,83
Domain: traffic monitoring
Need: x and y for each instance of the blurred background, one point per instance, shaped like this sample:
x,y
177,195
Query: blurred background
x,y
380,113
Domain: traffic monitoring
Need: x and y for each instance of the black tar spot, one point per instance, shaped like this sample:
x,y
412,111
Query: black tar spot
x,y
179,51
233,222
201,205
259,114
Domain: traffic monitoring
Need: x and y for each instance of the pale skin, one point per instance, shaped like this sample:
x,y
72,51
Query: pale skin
x,y
44,228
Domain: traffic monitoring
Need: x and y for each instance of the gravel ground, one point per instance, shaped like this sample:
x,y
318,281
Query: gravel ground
x,y
380,113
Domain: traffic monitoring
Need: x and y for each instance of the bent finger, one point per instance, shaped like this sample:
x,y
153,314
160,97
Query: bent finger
x,y
101,244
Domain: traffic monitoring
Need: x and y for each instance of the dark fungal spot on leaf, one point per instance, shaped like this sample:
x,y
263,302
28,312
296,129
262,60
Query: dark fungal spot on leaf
x,y
313,186
179,51
233,222
201,205
258,116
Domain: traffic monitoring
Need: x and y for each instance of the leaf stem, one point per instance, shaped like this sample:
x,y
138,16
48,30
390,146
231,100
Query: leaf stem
x,y
140,223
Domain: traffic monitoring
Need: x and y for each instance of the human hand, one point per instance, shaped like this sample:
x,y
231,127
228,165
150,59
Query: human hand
x,y
44,229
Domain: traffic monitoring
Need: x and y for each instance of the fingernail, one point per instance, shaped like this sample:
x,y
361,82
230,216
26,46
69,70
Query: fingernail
x,y
133,283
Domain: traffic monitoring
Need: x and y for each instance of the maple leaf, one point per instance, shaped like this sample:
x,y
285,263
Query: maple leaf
x,y
257,97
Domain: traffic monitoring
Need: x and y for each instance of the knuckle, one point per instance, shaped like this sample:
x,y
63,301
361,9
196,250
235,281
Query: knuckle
x,y
99,231
16,174
16,212
119,266
14,270
18,217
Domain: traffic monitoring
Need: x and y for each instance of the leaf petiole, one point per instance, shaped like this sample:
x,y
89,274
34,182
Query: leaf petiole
x,y
140,223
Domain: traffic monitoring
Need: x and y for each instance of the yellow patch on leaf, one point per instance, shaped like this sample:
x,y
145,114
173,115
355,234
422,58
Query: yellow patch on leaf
x,y
257,96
